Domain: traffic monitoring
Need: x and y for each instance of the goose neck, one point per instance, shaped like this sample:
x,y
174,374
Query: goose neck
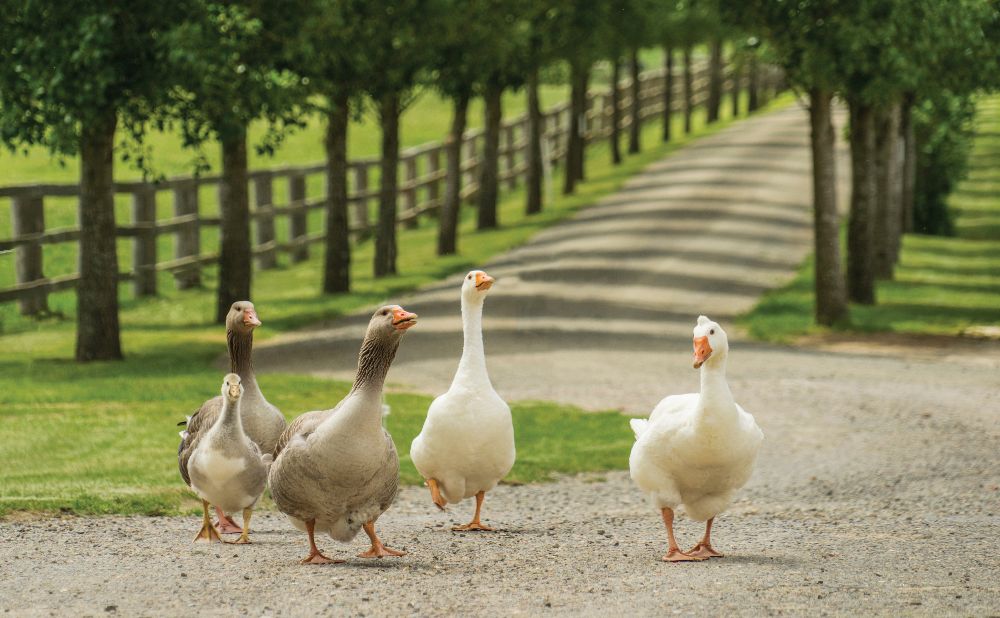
x,y
715,393
241,361
230,420
374,360
473,363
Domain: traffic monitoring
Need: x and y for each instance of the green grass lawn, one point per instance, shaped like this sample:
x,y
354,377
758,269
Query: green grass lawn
x,y
101,437
942,285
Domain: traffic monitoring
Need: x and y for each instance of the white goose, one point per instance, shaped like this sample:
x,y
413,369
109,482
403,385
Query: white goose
x,y
467,443
696,449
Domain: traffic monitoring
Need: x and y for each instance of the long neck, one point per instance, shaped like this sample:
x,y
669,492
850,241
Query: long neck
x,y
229,421
377,354
716,402
472,367
241,360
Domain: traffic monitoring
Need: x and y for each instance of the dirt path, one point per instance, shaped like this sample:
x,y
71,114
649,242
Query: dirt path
x,y
877,492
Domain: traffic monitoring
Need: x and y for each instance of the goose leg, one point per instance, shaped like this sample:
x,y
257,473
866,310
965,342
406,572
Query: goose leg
x,y
674,553
704,547
226,524
208,533
245,535
436,496
475,524
315,557
378,550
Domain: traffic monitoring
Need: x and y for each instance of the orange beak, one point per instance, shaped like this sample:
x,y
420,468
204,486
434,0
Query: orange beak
x,y
484,281
403,319
250,318
701,351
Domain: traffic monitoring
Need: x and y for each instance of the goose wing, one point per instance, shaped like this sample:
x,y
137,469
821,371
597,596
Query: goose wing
x,y
197,425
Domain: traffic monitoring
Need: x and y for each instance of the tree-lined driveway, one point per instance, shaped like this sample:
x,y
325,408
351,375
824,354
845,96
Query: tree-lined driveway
x,y
877,490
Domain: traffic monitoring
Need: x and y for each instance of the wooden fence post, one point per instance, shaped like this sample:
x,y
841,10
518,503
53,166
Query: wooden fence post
x,y
410,193
510,156
434,185
299,218
264,210
361,204
29,218
188,239
144,242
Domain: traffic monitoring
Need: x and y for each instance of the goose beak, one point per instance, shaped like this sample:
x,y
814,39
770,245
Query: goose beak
x,y
250,318
702,350
484,281
234,391
403,319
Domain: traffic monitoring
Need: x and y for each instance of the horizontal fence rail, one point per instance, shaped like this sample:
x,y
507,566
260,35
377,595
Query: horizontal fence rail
x,y
421,190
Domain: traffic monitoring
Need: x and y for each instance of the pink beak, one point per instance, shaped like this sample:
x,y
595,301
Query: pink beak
x,y
250,318
403,319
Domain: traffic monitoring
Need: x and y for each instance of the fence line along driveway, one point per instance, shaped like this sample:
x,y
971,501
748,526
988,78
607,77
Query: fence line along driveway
x,y
421,190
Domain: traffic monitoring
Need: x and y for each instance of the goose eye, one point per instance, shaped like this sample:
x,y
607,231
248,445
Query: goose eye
x,y
711,332
469,277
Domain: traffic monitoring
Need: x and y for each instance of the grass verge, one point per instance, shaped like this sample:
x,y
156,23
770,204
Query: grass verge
x,y
101,437
943,286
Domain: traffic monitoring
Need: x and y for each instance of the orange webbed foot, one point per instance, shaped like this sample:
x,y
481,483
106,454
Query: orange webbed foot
x,y
704,550
676,555
381,551
318,558
208,534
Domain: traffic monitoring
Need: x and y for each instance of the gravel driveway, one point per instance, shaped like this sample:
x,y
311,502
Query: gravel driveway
x,y
877,492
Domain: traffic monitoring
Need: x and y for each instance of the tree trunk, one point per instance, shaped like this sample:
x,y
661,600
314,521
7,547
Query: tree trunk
x,y
831,295
616,114
489,171
581,114
574,140
909,180
636,109
536,169
688,90
337,266
753,84
734,97
98,335
385,229
887,211
452,205
668,90
860,249
714,81
235,265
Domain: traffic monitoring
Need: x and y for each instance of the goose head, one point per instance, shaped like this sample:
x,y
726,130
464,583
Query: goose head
x,y
710,341
476,285
242,317
232,387
390,321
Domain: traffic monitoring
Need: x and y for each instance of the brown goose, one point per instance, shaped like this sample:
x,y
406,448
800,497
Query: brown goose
x,y
262,422
336,470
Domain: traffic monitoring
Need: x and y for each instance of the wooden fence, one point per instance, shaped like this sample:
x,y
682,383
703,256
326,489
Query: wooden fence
x,y
420,193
